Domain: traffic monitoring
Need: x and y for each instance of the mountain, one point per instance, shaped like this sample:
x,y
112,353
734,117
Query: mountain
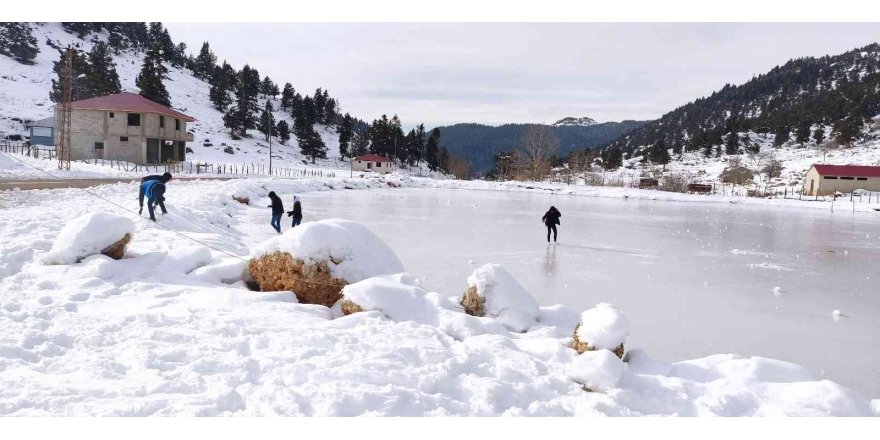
x,y
583,121
478,144
805,101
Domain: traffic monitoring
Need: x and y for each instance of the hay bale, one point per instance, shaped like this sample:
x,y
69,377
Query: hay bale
x,y
117,250
348,307
311,281
603,327
583,346
473,303
494,293
242,199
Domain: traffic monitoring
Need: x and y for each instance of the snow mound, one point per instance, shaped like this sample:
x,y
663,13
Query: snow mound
x,y
598,370
493,292
357,252
398,301
87,235
602,327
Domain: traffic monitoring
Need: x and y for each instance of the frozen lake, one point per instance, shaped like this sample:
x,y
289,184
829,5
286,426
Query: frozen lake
x,y
693,278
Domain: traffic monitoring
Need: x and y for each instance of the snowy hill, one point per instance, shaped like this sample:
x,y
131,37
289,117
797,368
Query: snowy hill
x,y
837,94
569,121
24,97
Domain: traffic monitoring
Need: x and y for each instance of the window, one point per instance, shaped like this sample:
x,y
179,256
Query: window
x,y
99,145
41,131
378,164
861,178
134,120
161,121
847,178
177,124
123,138
830,177
111,115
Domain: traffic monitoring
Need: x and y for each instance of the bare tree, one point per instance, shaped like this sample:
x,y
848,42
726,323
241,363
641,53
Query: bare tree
x,y
459,167
538,146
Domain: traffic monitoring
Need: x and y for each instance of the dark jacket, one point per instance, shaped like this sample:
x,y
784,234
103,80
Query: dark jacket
x,y
277,206
297,210
153,177
551,217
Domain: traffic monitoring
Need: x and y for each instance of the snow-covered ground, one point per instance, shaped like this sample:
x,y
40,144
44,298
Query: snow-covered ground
x,y
171,329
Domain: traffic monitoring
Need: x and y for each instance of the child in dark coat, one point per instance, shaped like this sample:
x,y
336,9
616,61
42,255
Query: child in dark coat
x,y
297,212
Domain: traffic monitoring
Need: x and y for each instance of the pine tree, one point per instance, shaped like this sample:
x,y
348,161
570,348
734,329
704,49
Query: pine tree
x,y
242,117
320,105
802,135
283,131
310,143
102,71
330,111
417,152
158,35
268,88
819,135
205,63
266,124
17,42
287,97
782,135
346,130
360,144
222,83
659,154
149,81
80,66
432,150
731,144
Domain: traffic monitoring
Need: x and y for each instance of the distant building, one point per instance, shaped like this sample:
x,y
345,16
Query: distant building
x,y
126,126
372,162
828,179
42,132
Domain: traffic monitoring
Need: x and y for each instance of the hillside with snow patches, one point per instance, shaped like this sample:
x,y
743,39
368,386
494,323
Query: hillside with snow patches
x,y
583,121
24,97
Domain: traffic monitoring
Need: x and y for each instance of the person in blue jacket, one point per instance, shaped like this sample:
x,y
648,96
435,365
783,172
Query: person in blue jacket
x,y
155,192
165,178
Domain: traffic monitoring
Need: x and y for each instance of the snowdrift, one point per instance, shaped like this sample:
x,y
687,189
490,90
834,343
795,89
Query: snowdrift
x,y
90,234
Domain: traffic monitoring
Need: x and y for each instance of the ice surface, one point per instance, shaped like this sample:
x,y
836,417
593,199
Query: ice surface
x,y
603,327
505,298
359,254
86,235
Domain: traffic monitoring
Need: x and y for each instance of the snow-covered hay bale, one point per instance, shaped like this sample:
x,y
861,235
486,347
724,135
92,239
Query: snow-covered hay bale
x,y
603,327
493,292
598,370
91,234
398,301
317,259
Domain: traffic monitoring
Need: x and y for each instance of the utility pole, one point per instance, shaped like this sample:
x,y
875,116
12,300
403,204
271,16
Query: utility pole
x,y
269,134
66,107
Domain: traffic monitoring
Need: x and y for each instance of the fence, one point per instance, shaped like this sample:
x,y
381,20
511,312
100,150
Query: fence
x,y
187,167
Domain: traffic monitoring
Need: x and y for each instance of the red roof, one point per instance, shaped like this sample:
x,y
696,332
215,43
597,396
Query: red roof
x,y
372,158
848,170
127,102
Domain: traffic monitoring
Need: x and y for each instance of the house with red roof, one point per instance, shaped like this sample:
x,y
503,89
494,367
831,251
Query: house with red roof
x,y
126,126
372,162
829,179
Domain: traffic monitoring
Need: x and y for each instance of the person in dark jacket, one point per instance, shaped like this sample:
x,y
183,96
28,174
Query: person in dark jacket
x,y
155,192
165,178
297,212
277,211
551,219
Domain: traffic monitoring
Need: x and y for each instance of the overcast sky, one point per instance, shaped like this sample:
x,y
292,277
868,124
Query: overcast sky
x,y
495,73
